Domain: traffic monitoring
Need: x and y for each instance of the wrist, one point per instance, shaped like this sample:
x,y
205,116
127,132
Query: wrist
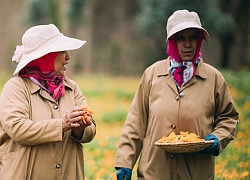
x,y
77,134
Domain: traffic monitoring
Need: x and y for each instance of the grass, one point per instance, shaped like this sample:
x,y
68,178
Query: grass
x,y
110,98
113,103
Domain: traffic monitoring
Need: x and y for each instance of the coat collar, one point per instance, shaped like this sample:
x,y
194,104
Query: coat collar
x,y
34,87
163,69
200,70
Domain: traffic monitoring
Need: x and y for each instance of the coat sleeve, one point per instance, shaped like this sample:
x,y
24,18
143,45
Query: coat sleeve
x,y
90,131
15,117
226,115
15,114
135,126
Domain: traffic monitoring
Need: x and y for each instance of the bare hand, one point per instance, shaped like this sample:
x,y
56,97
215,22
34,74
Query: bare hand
x,y
73,119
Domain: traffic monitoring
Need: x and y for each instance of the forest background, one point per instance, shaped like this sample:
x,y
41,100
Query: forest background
x,y
123,38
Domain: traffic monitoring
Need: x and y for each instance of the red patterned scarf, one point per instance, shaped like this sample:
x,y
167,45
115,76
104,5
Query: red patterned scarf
x,y
43,69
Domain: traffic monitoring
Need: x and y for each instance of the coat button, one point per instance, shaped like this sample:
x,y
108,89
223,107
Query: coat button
x,y
55,107
172,156
173,126
58,166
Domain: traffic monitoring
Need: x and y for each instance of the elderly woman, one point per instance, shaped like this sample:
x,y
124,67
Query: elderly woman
x,y
180,93
42,127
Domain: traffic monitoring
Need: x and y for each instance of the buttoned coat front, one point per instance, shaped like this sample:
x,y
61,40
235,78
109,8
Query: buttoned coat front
x,y
205,106
33,145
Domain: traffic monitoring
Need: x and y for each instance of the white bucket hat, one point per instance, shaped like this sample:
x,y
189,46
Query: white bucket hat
x,y
41,40
183,19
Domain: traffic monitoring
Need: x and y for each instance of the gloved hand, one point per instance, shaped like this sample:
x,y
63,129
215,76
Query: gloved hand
x,y
123,173
214,148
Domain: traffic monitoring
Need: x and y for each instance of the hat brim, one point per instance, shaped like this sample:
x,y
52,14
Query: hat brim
x,y
60,43
187,25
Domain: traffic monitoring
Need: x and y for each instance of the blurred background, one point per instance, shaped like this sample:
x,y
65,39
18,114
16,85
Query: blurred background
x,y
124,37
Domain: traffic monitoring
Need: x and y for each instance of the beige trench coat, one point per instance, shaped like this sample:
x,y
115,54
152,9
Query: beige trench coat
x,y
157,110
33,146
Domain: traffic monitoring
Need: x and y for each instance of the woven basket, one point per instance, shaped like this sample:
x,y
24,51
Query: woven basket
x,y
184,147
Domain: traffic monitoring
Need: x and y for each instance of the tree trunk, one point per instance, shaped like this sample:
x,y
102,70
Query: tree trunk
x,y
239,11
226,42
55,13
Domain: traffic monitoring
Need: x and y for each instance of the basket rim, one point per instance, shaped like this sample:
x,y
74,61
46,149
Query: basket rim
x,y
177,143
185,147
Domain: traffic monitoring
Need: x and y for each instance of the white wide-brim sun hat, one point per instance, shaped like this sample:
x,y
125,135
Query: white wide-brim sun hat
x,y
41,40
183,19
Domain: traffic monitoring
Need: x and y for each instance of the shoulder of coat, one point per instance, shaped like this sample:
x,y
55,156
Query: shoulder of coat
x,y
69,83
159,68
214,73
211,69
15,80
159,64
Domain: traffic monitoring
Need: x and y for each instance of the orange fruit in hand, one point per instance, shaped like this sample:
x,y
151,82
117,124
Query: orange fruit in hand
x,y
87,113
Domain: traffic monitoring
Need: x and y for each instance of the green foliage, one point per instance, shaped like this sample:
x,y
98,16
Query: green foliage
x,y
121,94
117,115
154,14
47,11
102,90
43,12
38,11
239,79
233,162
99,156
75,10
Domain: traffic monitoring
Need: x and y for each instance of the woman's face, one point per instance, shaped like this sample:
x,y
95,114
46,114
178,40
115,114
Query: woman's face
x,y
60,61
187,41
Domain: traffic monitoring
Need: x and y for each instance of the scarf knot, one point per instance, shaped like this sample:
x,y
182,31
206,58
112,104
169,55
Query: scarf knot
x,y
54,83
43,69
182,72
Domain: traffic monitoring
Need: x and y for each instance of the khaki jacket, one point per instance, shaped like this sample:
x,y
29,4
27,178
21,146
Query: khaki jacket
x,y
157,110
32,144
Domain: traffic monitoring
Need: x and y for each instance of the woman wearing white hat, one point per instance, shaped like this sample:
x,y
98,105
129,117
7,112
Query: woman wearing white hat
x,y
42,127
180,93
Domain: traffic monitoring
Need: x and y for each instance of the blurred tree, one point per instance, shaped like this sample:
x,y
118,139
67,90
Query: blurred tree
x,y
75,14
77,18
239,11
44,12
115,43
153,17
